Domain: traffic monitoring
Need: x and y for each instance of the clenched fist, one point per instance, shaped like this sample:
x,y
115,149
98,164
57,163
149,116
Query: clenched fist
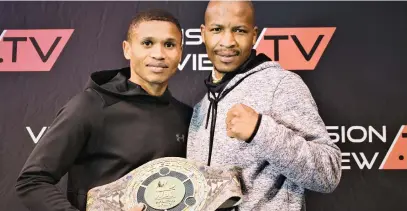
x,y
241,122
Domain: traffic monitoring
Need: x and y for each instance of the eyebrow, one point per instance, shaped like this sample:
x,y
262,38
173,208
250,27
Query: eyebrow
x,y
171,40
147,38
235,27
166,39
216,25
240,27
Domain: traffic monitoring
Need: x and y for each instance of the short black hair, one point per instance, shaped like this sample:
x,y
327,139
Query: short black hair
x,y
152,15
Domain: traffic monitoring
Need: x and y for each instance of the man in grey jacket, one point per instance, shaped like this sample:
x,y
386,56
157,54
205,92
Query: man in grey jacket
x,y
260,118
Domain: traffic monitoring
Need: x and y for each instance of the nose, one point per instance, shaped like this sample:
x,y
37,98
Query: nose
x,y
228,40
157,52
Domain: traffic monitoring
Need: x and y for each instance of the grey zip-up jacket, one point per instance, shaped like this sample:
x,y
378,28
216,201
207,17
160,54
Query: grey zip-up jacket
x,y
291,150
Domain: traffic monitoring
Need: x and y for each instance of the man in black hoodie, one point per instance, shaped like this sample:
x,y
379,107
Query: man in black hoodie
x,y
123,119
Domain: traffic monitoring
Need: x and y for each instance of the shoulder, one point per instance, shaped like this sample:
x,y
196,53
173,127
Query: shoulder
x,y
83,104
182,108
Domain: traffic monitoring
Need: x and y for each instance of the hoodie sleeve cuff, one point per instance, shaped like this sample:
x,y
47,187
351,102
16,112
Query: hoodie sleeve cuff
x,y
255,129
264,137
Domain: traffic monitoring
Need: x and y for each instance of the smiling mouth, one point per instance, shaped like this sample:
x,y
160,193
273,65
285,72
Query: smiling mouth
x,y
157,65
157,68
226,58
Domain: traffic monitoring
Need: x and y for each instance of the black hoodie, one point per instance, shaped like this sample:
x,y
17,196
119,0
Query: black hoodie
x,y
111,128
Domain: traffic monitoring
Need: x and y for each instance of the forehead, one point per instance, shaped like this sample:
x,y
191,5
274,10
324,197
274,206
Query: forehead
x,y
226,13
161,30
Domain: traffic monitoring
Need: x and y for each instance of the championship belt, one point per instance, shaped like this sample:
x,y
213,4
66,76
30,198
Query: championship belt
x,y
169,184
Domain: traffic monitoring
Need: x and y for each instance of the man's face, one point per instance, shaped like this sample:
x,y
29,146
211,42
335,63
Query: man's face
x,y
154,51
229,34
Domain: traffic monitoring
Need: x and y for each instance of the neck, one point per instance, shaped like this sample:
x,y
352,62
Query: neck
x,y
216,75
154,89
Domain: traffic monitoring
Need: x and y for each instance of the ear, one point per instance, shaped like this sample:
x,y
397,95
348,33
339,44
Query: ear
x,y
203,33
255,32
127,49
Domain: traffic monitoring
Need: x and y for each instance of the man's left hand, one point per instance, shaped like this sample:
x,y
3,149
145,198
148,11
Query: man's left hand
x,y
138,207
241,121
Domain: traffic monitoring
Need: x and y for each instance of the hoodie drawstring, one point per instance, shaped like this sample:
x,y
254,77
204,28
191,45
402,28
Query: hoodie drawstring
x,y
212,111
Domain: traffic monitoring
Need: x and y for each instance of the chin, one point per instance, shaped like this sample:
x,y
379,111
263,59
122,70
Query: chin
x,y
225,69
157,80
